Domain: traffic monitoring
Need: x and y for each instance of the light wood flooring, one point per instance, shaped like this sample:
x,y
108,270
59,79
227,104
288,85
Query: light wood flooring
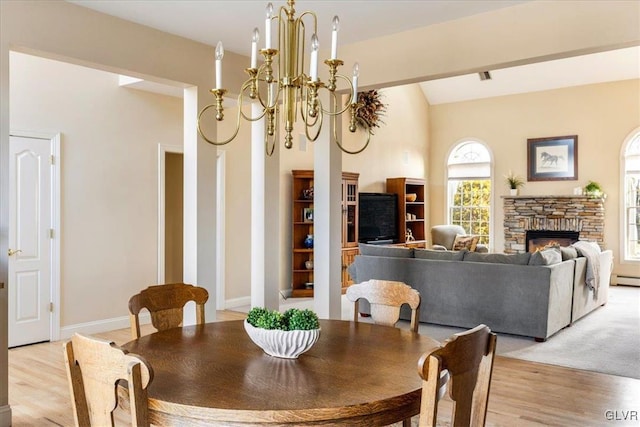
x,y
522,393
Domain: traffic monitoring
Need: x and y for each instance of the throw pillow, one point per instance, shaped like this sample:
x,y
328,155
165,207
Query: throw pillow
x,y
465,241
439,255
518,259
388,251
546,257
568,252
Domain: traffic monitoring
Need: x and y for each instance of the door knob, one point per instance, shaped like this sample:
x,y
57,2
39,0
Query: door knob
x,y
13,252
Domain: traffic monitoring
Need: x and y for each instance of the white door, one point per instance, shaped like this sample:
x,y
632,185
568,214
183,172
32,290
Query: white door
x,y
29,241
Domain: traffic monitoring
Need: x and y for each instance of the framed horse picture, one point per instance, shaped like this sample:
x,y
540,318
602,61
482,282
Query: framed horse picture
x,y
552,159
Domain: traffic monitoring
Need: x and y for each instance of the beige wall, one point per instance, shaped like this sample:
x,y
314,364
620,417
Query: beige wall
x,y
109,177
399,147
602,115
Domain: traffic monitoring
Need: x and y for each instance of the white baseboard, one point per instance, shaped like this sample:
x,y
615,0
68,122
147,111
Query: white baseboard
x,y
99,326
122,322
626,280
237,302
5,416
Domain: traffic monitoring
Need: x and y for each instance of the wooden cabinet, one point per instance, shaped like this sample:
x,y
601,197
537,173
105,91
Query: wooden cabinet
x,y
348,257
349,209
349,224
411,212
302,219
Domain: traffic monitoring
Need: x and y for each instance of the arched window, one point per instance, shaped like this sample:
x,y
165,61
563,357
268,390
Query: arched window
x,y
469,188
631,198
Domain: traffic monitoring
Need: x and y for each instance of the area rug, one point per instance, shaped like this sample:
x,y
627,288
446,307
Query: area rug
x,y
607,340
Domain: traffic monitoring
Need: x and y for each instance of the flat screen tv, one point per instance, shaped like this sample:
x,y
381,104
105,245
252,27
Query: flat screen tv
x,y
378,218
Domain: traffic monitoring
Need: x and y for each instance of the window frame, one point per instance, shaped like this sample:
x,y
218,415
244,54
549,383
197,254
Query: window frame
x,y
490,178
624,232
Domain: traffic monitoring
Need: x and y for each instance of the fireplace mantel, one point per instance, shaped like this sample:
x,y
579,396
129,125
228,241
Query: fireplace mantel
x,y
552,196
553,212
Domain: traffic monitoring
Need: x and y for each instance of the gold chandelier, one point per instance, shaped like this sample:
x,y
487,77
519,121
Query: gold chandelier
x,y
288,84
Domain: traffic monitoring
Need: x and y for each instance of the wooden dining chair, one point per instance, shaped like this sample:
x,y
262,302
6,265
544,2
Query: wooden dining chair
x,y
385,298
166,305
94,368
468,356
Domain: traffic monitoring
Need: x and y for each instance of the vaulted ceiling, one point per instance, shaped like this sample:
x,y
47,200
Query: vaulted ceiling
x,y
233,21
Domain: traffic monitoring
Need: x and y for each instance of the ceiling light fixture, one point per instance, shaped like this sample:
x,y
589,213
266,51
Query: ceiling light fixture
x,y
287,84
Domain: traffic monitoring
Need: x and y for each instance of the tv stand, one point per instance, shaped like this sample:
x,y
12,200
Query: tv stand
x,y
380,242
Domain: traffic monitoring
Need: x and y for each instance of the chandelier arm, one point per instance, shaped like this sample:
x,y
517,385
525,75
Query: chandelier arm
x,y
235,133
303,102
344,150
302,31
246,85
307,127
348,105
259,96
264,104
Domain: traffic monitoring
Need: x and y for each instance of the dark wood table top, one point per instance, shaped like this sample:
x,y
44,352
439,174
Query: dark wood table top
x,y
357,374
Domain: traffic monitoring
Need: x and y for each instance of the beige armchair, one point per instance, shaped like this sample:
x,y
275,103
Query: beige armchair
x,y
443,237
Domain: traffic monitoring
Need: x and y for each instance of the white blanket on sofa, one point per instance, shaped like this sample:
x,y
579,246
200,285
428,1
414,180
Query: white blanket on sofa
x,y
592,254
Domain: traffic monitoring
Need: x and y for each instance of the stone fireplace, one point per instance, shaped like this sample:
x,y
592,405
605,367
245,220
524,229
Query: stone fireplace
x,y
582,217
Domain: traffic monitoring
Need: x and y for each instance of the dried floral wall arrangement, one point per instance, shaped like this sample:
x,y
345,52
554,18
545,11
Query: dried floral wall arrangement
x,y
370,110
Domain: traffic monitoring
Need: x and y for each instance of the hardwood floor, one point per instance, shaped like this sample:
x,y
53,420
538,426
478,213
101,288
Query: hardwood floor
x,y
522,393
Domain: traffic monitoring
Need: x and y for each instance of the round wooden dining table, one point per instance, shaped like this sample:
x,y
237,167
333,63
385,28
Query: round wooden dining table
x,y
357,374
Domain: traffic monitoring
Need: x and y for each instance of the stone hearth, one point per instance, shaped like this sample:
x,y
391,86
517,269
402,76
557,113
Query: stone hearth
x,y
556,213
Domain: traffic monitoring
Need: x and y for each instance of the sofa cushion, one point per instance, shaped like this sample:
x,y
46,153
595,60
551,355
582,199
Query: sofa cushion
x,y
388,251
465,241
517,259
546,257
568,252
440,255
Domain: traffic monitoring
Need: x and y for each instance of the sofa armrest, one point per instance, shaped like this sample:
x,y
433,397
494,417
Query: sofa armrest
x,y
438,248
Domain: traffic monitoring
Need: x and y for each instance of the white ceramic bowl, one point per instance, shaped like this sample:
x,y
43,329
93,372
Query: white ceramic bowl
x,y
284,344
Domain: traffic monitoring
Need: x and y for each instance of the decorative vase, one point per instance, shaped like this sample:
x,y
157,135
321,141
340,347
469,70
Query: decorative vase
x,y
308,241
284,344
308,264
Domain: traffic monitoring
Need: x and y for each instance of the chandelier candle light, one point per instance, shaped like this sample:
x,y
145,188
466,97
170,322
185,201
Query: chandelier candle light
x,y
287,86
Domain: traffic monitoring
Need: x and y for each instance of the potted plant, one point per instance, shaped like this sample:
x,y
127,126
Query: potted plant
x,y
286,335
593,189
514,182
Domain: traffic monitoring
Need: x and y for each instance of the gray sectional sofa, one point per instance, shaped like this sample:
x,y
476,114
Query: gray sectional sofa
x,y
527,294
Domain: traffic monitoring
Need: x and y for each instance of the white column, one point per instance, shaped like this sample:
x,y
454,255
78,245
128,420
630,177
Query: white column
x,y
327,218
5,409
265,265
199,242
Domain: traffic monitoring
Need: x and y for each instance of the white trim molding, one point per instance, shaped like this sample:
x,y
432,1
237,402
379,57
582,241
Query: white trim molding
x,y
100,326
622,218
